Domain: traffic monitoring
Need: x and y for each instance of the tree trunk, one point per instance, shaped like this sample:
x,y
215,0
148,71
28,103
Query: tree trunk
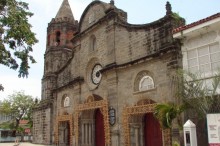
x,y
16,127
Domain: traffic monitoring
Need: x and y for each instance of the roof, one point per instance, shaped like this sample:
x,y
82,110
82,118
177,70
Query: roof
x,y
65,10
179,29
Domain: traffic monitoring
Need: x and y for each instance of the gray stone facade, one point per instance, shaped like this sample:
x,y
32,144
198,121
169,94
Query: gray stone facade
x,y
136,66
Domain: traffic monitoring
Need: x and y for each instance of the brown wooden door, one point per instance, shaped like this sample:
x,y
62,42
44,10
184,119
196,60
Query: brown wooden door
x,y
99,129
152,131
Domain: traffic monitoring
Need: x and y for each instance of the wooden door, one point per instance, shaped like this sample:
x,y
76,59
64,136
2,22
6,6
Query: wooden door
x,y
99,129
152,131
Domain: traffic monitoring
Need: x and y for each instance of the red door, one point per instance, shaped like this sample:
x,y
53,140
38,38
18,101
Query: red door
x,y
99,129
152,131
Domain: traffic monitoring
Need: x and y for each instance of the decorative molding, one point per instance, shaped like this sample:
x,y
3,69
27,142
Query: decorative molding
x,y
145,91
91,105
63,118
75,81
128,112
168,48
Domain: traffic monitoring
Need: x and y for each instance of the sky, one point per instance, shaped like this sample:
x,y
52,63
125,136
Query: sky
x,y
138,11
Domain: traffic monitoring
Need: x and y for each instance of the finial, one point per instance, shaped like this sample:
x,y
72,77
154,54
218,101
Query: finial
x,y
112,2
168,8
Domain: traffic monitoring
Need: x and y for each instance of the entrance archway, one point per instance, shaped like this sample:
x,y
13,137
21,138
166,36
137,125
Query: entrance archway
x,y
152,131
99,129
64,133
93,102
64,130
142,108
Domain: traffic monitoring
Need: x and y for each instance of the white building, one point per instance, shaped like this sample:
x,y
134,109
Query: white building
x,y
200,45
4,117
201,55
5,133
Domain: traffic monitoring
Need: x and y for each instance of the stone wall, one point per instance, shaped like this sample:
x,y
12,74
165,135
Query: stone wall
x,y
42,126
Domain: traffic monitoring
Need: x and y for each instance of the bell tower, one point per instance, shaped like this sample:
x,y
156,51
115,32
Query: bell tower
x,y
60,31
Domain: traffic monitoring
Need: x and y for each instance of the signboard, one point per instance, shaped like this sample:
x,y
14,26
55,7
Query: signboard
x,y
27,130
213,125
112,117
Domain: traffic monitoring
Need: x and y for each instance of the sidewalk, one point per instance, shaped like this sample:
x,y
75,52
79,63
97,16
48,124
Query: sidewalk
x,y
21,144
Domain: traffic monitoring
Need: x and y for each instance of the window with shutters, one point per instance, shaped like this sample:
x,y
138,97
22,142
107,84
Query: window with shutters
x,y
205,59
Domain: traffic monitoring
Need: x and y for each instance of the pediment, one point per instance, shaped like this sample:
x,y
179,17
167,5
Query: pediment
x,y
93,13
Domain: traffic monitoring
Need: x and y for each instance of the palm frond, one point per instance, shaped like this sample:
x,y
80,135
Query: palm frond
x,y
166,112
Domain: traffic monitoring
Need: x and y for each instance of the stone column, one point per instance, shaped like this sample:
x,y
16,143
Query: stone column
x,y
0,135
86,133
90,133
83,133
136,132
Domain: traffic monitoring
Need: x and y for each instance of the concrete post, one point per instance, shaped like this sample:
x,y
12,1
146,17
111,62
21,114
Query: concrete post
x,y
190,138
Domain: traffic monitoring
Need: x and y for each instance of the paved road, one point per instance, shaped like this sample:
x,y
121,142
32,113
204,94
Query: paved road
x,y
21,144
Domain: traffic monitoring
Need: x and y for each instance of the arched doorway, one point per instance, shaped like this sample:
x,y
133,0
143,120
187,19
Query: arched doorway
x,y
63,128
144,108
64,133
99,107
152,131
99,129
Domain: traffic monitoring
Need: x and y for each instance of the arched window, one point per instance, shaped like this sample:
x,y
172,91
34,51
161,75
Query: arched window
x,y
58,37
66,102
146,83
92,43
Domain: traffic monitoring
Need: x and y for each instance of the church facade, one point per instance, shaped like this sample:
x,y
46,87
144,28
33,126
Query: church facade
x,y
103,77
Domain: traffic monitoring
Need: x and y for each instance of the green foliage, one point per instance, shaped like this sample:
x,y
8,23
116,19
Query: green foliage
x,y
200,94
175,144
1,87
19,106
176,16
193,92
16,37
7,125
166,112
178,19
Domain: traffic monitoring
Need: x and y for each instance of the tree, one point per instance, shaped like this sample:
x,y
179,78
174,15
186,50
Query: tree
x,y
195,93
199,93
167,112
1,87
16,37
19,106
